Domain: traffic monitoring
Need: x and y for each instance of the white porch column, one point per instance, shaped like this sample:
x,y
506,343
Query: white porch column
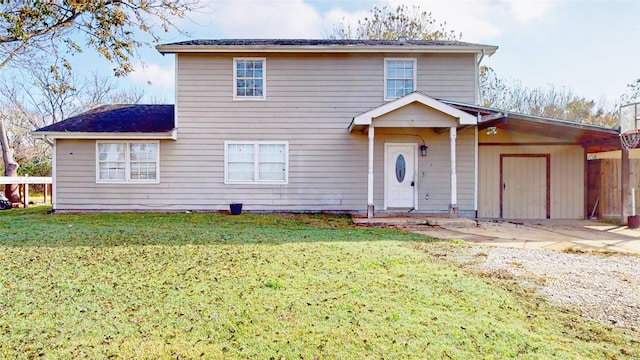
x,y
453,207
370,206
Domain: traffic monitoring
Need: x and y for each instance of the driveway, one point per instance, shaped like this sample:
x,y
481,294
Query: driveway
x,y
583,235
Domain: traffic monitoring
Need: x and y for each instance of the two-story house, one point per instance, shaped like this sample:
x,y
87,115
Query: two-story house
x,y
323,125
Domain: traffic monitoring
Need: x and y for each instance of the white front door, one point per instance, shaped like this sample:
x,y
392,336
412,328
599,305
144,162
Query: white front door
x,y
400,169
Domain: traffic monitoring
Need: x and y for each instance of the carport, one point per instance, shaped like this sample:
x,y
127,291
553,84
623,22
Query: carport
x,y
533,167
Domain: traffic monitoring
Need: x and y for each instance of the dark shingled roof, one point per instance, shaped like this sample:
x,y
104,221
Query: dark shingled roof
x,y
119,119
317,42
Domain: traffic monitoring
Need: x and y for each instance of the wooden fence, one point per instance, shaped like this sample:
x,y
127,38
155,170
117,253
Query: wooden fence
x,y
25,181
603,187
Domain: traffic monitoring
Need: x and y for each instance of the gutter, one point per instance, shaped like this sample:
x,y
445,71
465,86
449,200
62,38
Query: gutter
x,y
172,49
52,135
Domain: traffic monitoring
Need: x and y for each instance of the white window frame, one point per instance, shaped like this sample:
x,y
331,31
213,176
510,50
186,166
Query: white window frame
x,y
264,78
127,157
256,163
415,74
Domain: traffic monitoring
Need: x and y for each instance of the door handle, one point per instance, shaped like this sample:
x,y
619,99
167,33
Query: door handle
x,y
413,183
504,186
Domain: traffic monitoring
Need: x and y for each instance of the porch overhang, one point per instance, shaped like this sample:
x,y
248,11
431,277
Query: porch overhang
x,y
363,121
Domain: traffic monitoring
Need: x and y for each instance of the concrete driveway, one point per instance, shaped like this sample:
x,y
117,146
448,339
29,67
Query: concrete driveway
x,y
584,235
587,235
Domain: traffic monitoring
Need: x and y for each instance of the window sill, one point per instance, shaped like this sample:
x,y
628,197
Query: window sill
x,y
100,182
248,98
256,182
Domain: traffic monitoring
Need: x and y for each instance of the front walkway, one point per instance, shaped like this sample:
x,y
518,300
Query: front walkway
x,y
584,235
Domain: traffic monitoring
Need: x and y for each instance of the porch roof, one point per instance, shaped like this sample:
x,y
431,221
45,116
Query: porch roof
x,y
365,119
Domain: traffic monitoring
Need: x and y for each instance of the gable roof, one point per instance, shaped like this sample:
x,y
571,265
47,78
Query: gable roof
x,y
330,46
366,118
593,138
116,121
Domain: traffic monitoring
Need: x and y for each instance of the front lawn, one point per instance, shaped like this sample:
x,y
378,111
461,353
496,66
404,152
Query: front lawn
x,y
262,286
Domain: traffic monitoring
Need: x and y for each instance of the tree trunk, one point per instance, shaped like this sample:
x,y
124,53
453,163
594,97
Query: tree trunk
x,y
11,191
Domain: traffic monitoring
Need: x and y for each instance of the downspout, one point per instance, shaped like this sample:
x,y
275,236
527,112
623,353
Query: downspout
x,y
54,183
475,170
478,89
47,140
481,57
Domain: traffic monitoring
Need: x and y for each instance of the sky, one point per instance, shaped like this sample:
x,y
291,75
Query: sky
x,y
591,47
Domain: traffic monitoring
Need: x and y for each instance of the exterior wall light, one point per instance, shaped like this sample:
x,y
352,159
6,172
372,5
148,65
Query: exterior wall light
x,y
423,150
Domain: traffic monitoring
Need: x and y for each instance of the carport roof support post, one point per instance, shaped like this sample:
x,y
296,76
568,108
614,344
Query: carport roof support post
x,y
624,186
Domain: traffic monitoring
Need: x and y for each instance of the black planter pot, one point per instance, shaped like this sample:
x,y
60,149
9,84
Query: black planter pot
x,y
235,208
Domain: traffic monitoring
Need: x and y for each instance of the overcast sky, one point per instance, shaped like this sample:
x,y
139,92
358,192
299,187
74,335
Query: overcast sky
x,y
589,46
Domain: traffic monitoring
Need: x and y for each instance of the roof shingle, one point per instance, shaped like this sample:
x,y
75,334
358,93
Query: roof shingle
x,y
324,45
317,42
119,119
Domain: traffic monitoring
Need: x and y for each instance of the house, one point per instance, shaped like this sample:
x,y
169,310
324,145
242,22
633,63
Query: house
x,y
359,126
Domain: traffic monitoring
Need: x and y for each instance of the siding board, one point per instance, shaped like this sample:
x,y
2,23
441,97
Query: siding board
x,y
566,171
310,103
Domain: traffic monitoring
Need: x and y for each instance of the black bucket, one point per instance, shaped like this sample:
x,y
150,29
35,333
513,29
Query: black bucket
x,y
235,208
633,221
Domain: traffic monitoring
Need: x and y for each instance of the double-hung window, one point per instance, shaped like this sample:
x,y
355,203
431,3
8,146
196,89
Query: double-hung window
x,y
249,76
256,162
123,162
399,77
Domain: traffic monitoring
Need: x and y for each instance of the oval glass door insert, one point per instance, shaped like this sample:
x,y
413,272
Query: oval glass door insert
x,y
401,168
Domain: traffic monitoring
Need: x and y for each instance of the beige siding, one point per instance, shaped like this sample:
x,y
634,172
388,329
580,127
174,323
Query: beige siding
x,y
310,102
415,115
566,175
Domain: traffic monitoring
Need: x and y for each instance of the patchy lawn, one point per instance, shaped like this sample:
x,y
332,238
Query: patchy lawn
x,y
262,286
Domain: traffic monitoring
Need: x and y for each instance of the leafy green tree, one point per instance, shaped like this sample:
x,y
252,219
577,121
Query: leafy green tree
x,y
388,24
112,28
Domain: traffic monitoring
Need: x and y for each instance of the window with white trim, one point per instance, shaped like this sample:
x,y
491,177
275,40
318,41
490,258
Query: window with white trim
x,y
249,76
121,162
256,162
399,77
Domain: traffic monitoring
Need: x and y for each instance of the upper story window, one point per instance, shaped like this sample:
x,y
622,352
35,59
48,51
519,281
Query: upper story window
x,y
399,77
256,162
122,162
249,76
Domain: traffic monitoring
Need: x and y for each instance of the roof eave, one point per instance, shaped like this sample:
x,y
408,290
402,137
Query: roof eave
x,y
532,118
173,49
167,135
565,123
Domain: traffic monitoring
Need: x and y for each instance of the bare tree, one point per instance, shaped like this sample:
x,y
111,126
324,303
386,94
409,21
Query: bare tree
x,y
632,93
388,24
111,28
551,101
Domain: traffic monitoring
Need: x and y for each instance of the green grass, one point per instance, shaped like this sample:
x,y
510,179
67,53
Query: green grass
x,y
264,286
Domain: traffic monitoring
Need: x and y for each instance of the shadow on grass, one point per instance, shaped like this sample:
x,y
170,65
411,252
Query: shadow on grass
x,y
36,227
